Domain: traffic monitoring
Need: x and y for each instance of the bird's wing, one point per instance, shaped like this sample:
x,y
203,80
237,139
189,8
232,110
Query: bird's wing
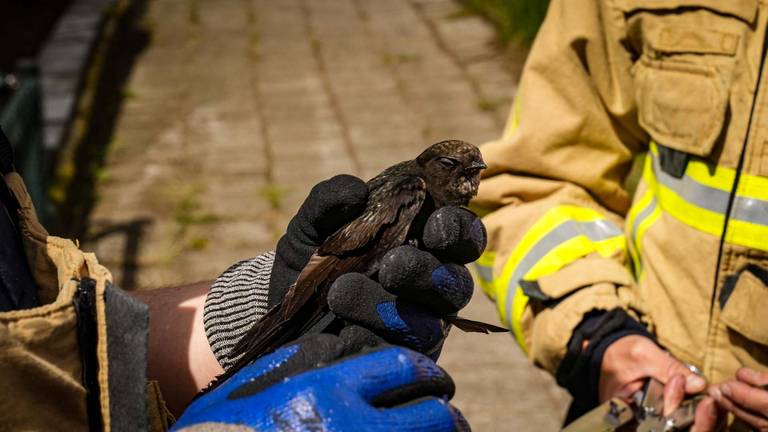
x,y
394,202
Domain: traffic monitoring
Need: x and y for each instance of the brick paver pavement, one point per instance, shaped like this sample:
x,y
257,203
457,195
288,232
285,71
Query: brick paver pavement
x,y
238,107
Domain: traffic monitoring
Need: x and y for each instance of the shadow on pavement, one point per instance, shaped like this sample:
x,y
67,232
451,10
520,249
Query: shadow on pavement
x,y
129,41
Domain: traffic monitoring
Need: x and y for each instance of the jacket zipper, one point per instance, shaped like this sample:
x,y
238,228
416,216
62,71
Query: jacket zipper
x,y
87,337
739,168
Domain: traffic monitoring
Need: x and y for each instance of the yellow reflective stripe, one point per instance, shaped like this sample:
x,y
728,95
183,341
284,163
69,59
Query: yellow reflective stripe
x,y
753,187
484,267
722,178
701,198
747,234
635,217
557,258
699,218
562,235
514,118
653,216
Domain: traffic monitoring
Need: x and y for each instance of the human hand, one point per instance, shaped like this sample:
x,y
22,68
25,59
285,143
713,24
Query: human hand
x,y
330,205
631,360
312,384
416,289
428,283
746,396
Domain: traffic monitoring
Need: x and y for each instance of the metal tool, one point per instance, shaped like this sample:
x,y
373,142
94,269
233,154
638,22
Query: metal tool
x,y
644,414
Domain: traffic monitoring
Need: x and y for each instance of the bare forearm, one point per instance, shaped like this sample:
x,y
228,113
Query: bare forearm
x,y
180,357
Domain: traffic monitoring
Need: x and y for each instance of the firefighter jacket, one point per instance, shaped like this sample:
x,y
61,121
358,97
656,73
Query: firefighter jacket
x,y
680,88
77,361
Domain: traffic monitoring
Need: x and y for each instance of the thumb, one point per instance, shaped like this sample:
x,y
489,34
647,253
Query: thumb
x,y
677,378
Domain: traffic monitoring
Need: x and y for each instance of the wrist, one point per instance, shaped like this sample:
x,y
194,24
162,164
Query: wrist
x,y
581,369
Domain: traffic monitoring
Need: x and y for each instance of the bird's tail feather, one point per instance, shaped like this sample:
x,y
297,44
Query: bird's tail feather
x,y
472,326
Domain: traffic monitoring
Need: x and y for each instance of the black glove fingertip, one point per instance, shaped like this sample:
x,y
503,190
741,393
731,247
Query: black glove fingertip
x,y
333,203
357,339
455,234
454,282
405,271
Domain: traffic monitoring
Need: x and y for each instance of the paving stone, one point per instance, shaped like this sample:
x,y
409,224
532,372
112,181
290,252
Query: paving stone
x,y
238,107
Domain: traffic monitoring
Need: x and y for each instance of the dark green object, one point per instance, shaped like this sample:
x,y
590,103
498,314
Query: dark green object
x,y
21,119
514,19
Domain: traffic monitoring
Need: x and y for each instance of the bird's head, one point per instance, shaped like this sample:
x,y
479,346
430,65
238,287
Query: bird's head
x,y
452,171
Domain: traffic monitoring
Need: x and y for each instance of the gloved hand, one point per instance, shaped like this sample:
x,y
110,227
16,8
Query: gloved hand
x,y
311,385
330,205
418,286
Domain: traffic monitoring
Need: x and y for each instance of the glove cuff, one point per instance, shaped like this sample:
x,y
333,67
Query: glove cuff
x,y
237,299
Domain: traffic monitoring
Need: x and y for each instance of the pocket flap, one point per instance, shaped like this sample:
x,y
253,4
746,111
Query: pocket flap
x,y
681,105
675,39
744,9
744,311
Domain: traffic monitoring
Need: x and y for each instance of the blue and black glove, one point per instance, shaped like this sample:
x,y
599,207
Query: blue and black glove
x,y
313,384
415,288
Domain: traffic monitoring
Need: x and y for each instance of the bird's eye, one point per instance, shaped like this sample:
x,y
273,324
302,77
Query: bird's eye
x,y
447,162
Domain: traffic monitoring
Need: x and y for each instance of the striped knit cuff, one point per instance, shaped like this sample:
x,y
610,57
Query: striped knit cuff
x,y
238,298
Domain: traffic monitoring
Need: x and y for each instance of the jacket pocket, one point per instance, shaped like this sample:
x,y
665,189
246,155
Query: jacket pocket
x,y
744,304
686,60
681,105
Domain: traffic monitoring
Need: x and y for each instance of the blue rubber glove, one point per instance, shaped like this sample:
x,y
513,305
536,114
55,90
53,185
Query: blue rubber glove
x,y
310,385
416,288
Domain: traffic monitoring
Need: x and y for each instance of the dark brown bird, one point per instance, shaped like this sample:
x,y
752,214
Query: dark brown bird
x,y
447,173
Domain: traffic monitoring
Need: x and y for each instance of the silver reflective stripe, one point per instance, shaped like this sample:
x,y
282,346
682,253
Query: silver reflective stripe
x,y
485,273
750,210
745,209
691,191
597,230
643,215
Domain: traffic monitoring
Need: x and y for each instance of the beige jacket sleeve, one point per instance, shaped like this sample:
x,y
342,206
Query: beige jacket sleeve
x,y
553,196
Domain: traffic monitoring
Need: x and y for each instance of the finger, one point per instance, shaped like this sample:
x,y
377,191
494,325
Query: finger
x,y
455,234
674,392
661,365
755,420
752,377
358,338
306,353
707,416
418,276
390,375
431,414
361,300
330,205
754,399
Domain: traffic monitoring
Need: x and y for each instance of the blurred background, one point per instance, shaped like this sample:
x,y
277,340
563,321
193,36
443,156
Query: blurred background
x,y
176,137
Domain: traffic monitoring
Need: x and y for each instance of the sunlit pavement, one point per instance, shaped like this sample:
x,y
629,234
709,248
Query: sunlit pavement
x,y
236,108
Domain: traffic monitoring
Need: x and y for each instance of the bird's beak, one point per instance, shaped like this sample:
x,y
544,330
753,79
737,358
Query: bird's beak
x,y
477,166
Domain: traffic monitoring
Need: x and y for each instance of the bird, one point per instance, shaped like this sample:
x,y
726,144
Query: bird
x,y
447,173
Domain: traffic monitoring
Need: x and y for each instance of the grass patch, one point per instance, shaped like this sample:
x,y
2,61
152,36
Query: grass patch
x,y
198,243
194,12
188,210
491,105
514,19
253,45
274,195
400,58
128,94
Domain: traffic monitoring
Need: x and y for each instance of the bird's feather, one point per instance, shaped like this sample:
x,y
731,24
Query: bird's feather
x,y
472,326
